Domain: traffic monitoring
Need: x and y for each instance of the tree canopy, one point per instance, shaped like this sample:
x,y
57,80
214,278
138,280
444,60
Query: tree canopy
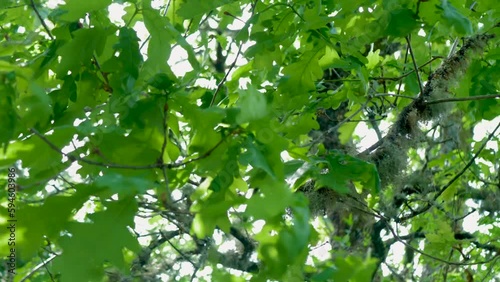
x,y
251,140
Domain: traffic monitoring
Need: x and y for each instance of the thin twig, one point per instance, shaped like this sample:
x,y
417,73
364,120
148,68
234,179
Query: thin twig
x,y
408,73
371,148
349,118
434,257
395,274
221,83
36,268
388,78
41,19
120,166
471,98
400,85
13,7
373,122
136,11
149,36
394,95
206,154
332,129
415,65
181,253
162,153
468,164
464,216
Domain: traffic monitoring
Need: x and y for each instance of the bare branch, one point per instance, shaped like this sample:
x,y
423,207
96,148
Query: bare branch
x,y
41,19
471,98
408,73
120,166
394,95
38,267
458,175
415,65
434,257
221,83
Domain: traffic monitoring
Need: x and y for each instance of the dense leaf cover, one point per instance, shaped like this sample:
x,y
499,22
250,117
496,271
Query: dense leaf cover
x,y
252,140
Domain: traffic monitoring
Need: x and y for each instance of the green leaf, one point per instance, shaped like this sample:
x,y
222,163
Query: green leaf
x,y
46,158
122,184
146,114
212,212
159,48
253,105
302,75
230,170
76,9
49,220
343,168
347,129
34,107
80,50
401,22
194,8
163,33
126,150
290,247
60,97
203,122
374,59
273,201
301,125
295,238
8,119
129,58
91,245
331,55
161,81
255,155
453,17
352,268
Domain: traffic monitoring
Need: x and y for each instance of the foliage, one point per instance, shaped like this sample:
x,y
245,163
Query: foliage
x,y
224,140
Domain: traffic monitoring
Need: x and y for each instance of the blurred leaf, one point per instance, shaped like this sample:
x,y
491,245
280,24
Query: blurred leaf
x,y
92,244
461,24
401,22
193,8
76,9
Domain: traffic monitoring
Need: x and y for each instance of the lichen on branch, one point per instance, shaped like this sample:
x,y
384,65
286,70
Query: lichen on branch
x,y
391,156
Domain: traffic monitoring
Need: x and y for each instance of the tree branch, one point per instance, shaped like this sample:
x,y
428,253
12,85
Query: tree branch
x,y
120,166
221,83
415,65
408,73
41,19
145,254
38,267
471,98
441,191
402,241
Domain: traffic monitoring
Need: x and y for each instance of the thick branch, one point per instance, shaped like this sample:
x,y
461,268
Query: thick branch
x,y
390,155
